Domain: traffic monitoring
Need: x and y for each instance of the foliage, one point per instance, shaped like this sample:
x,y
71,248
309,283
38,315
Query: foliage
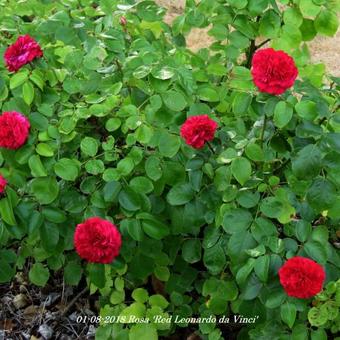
x,y
204,231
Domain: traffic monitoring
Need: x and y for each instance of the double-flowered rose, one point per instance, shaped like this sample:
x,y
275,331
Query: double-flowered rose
x,y
14,130
302,277
97,240
22,52
273,71
197,130
3,184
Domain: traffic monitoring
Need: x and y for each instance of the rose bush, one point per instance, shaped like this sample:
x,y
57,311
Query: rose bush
x,y
196,178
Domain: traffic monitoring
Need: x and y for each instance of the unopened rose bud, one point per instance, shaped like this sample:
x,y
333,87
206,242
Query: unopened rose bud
x,y
123,21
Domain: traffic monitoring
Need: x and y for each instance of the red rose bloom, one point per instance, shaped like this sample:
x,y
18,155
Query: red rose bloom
x,y
273,71
97,240
14,130
3,184
22,52
302,277
197,130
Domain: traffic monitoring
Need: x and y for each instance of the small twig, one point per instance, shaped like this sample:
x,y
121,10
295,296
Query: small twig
x,y
73,301
262,43
42,312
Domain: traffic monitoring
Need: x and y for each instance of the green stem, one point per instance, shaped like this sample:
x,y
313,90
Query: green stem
x,y
210,147
263,130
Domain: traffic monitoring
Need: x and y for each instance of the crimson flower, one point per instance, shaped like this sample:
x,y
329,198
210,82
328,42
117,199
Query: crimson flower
x,y
22,52
3,184
302,277
14,130
97,240
197,130
273,71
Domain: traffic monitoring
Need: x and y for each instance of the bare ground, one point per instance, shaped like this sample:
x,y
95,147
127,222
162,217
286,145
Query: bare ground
x,y
322,49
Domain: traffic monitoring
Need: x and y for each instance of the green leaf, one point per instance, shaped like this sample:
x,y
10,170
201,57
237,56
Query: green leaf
x,y
254,152
53,214
308,8
271,207
97,274
45,189
214,259
45,150
175,101
36,166
288,313
49,235
67,169
159,301
317,316
155,229
261,267
125,166
283,113
319,334
95,166
153,168
134,228
37,78
18,79
241,170
141,184
257,6
248,199
270,24
180,194
326,23
303,230
143,332
237,220
321,195
241,103
244,271
239,4
28,93
292,16
39,274
6,271
307,164
89,146
275,298
129,199
163,72
191,251
316,251
140,295
208,94
306,109
169,144
72,273
6,211
162,273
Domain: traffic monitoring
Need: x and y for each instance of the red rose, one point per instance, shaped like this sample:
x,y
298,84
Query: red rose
x,y
273,71
302,277
197,130
3,184
97,240
14,130
22,52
